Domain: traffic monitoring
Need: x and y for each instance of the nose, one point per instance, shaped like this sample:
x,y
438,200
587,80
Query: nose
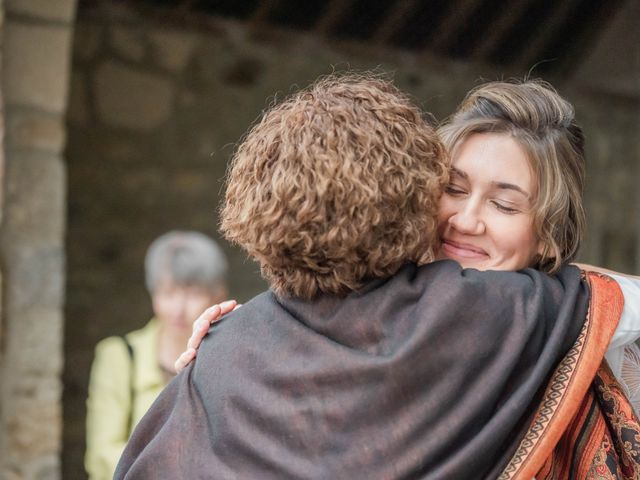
x,y
181,305
468,220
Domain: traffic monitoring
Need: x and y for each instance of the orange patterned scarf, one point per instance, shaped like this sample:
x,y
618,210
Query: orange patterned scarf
x,y
585,427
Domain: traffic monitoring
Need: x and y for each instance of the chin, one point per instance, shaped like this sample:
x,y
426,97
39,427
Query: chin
x,y
180,327
466,263
474,265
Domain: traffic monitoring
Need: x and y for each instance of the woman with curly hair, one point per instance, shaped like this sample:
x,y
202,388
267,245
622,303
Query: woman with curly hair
x,y
364,360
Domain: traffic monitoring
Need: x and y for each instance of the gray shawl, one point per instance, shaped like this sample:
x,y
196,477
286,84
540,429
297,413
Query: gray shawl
x,y
433,373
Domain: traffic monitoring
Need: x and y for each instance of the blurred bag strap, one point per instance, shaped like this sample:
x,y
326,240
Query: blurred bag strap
x,y
132,392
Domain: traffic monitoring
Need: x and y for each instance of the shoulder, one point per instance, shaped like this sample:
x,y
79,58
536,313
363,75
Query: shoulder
x,y
115,346
111,347
451,273
110,360
628,329
144,336
630,286
239,332
257,311
447,280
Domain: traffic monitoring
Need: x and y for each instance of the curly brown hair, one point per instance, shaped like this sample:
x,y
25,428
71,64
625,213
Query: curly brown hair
x,y
337,185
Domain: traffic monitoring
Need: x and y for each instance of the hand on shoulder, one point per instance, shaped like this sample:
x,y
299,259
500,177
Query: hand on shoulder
x,y
200,328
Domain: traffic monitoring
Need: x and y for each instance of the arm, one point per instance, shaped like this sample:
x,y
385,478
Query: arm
x,y
200,328
628,330
593,268
108,407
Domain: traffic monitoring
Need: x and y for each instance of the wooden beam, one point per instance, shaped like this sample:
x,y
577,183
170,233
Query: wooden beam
x,y
534,49
262,11
457,15
499,28
333,14
394,20
185,6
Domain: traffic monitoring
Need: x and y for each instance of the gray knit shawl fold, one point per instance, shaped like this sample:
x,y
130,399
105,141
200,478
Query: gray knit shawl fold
x,y
433,373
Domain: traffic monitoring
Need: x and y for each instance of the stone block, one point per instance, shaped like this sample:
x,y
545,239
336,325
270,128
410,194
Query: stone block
x,y
58,10
128,41
33,416
36,335
132,99
78,111
35,130
172,49
36,65
33,277
45,467
34,210
11,470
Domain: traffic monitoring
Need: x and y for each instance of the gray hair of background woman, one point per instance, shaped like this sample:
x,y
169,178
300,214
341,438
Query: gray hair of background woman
x,y
186,258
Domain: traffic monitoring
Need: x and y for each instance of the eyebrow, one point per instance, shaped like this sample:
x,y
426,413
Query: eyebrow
x,y
500,185
511,186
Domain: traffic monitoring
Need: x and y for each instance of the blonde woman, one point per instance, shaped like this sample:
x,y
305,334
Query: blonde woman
x,y
514,200
515,195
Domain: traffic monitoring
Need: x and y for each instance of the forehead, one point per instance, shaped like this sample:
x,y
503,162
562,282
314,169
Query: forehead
x,y
494,158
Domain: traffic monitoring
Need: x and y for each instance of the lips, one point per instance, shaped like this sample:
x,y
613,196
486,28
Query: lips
x,y
462,250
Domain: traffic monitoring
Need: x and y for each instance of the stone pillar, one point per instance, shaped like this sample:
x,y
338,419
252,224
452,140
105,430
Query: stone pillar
x,y
1,185
36,37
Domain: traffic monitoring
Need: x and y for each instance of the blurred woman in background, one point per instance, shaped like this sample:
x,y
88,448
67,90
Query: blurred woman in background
x,y
185,272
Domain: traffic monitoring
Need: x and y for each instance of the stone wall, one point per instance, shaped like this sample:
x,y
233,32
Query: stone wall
x,y
153,116
36,40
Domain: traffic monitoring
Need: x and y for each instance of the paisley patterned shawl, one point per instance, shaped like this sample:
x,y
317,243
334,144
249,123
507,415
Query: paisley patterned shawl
x,y
585,427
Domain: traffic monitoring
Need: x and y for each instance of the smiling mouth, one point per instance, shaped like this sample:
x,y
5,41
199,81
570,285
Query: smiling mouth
x,y
461,250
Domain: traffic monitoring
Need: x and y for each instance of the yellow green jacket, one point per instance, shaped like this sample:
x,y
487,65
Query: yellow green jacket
x,y
109,403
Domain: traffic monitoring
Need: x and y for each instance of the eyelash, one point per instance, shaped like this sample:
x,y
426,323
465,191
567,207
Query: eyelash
x,y
454,190
503,209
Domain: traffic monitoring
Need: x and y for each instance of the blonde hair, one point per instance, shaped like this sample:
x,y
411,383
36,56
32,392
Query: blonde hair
x,y
335,186
543,124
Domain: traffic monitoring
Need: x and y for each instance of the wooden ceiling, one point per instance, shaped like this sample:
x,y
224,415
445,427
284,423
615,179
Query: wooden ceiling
x,y
516,34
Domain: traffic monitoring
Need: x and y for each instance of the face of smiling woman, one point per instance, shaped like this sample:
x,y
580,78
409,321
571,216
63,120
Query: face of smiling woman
x,y
486,218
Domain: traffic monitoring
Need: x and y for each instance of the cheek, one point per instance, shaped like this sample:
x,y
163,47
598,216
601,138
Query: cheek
x,y
518,242
445,210
162,305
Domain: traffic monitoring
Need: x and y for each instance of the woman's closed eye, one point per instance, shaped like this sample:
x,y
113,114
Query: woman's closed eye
x,y
505,208
453,189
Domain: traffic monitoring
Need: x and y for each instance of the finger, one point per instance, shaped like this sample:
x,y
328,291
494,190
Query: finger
x,y
198,334
206,316
184,359
227,306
